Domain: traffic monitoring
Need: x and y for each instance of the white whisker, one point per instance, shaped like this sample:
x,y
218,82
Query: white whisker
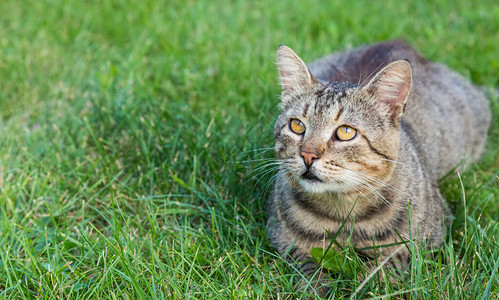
x,y
398,163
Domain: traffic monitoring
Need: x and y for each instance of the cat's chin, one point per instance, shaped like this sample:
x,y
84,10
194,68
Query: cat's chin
x,y
320,187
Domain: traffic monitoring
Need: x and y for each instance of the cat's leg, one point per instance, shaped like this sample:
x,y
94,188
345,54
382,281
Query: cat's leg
x,y
297,254
314,280
386,263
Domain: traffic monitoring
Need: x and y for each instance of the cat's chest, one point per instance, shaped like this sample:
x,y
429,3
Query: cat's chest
x,y
315,223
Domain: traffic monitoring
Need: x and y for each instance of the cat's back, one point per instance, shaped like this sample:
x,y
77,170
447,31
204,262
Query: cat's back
x,y
446,117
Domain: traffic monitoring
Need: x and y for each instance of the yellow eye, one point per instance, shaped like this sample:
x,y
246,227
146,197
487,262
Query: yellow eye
x,y
345,133
297,126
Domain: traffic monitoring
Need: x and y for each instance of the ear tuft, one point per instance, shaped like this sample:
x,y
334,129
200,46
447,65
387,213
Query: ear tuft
x,y
293,72
391,86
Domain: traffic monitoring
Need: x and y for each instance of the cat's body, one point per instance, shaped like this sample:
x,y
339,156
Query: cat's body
x,y
411,128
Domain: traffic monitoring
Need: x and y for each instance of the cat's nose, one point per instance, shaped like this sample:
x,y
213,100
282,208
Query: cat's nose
x,y
308,158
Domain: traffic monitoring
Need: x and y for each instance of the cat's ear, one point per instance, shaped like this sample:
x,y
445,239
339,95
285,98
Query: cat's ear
x,y
391,86
293,72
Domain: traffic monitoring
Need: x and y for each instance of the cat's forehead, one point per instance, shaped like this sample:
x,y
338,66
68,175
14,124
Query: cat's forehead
x,y
325,98
335,88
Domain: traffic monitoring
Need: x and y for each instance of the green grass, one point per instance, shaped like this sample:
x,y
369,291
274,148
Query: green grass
x,y
131,134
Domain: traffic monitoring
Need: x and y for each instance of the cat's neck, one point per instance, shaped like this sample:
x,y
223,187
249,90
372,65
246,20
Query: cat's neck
x,y
344,205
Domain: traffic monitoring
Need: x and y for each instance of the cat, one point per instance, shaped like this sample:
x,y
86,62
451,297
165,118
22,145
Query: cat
x,y
362,138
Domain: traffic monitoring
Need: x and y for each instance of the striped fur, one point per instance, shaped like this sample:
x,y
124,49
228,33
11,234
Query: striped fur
x,y
415,121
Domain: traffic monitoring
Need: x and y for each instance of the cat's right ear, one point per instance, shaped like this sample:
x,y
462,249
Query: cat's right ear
x,y
293,72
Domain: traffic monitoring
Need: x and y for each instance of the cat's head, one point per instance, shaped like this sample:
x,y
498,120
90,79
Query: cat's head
x,y
339,137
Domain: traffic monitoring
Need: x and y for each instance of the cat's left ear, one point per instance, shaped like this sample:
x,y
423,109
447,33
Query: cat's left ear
x,y
293,71
391,87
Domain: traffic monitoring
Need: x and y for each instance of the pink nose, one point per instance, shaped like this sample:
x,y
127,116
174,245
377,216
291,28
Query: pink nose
x,y
308,158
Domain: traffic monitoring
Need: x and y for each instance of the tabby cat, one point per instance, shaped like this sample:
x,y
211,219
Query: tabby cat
x,y
362,139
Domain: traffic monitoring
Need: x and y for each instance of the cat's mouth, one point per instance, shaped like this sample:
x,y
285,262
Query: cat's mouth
x,y
310,176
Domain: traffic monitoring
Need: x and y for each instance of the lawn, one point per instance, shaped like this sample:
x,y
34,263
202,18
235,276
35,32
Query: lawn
x,y
133,136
